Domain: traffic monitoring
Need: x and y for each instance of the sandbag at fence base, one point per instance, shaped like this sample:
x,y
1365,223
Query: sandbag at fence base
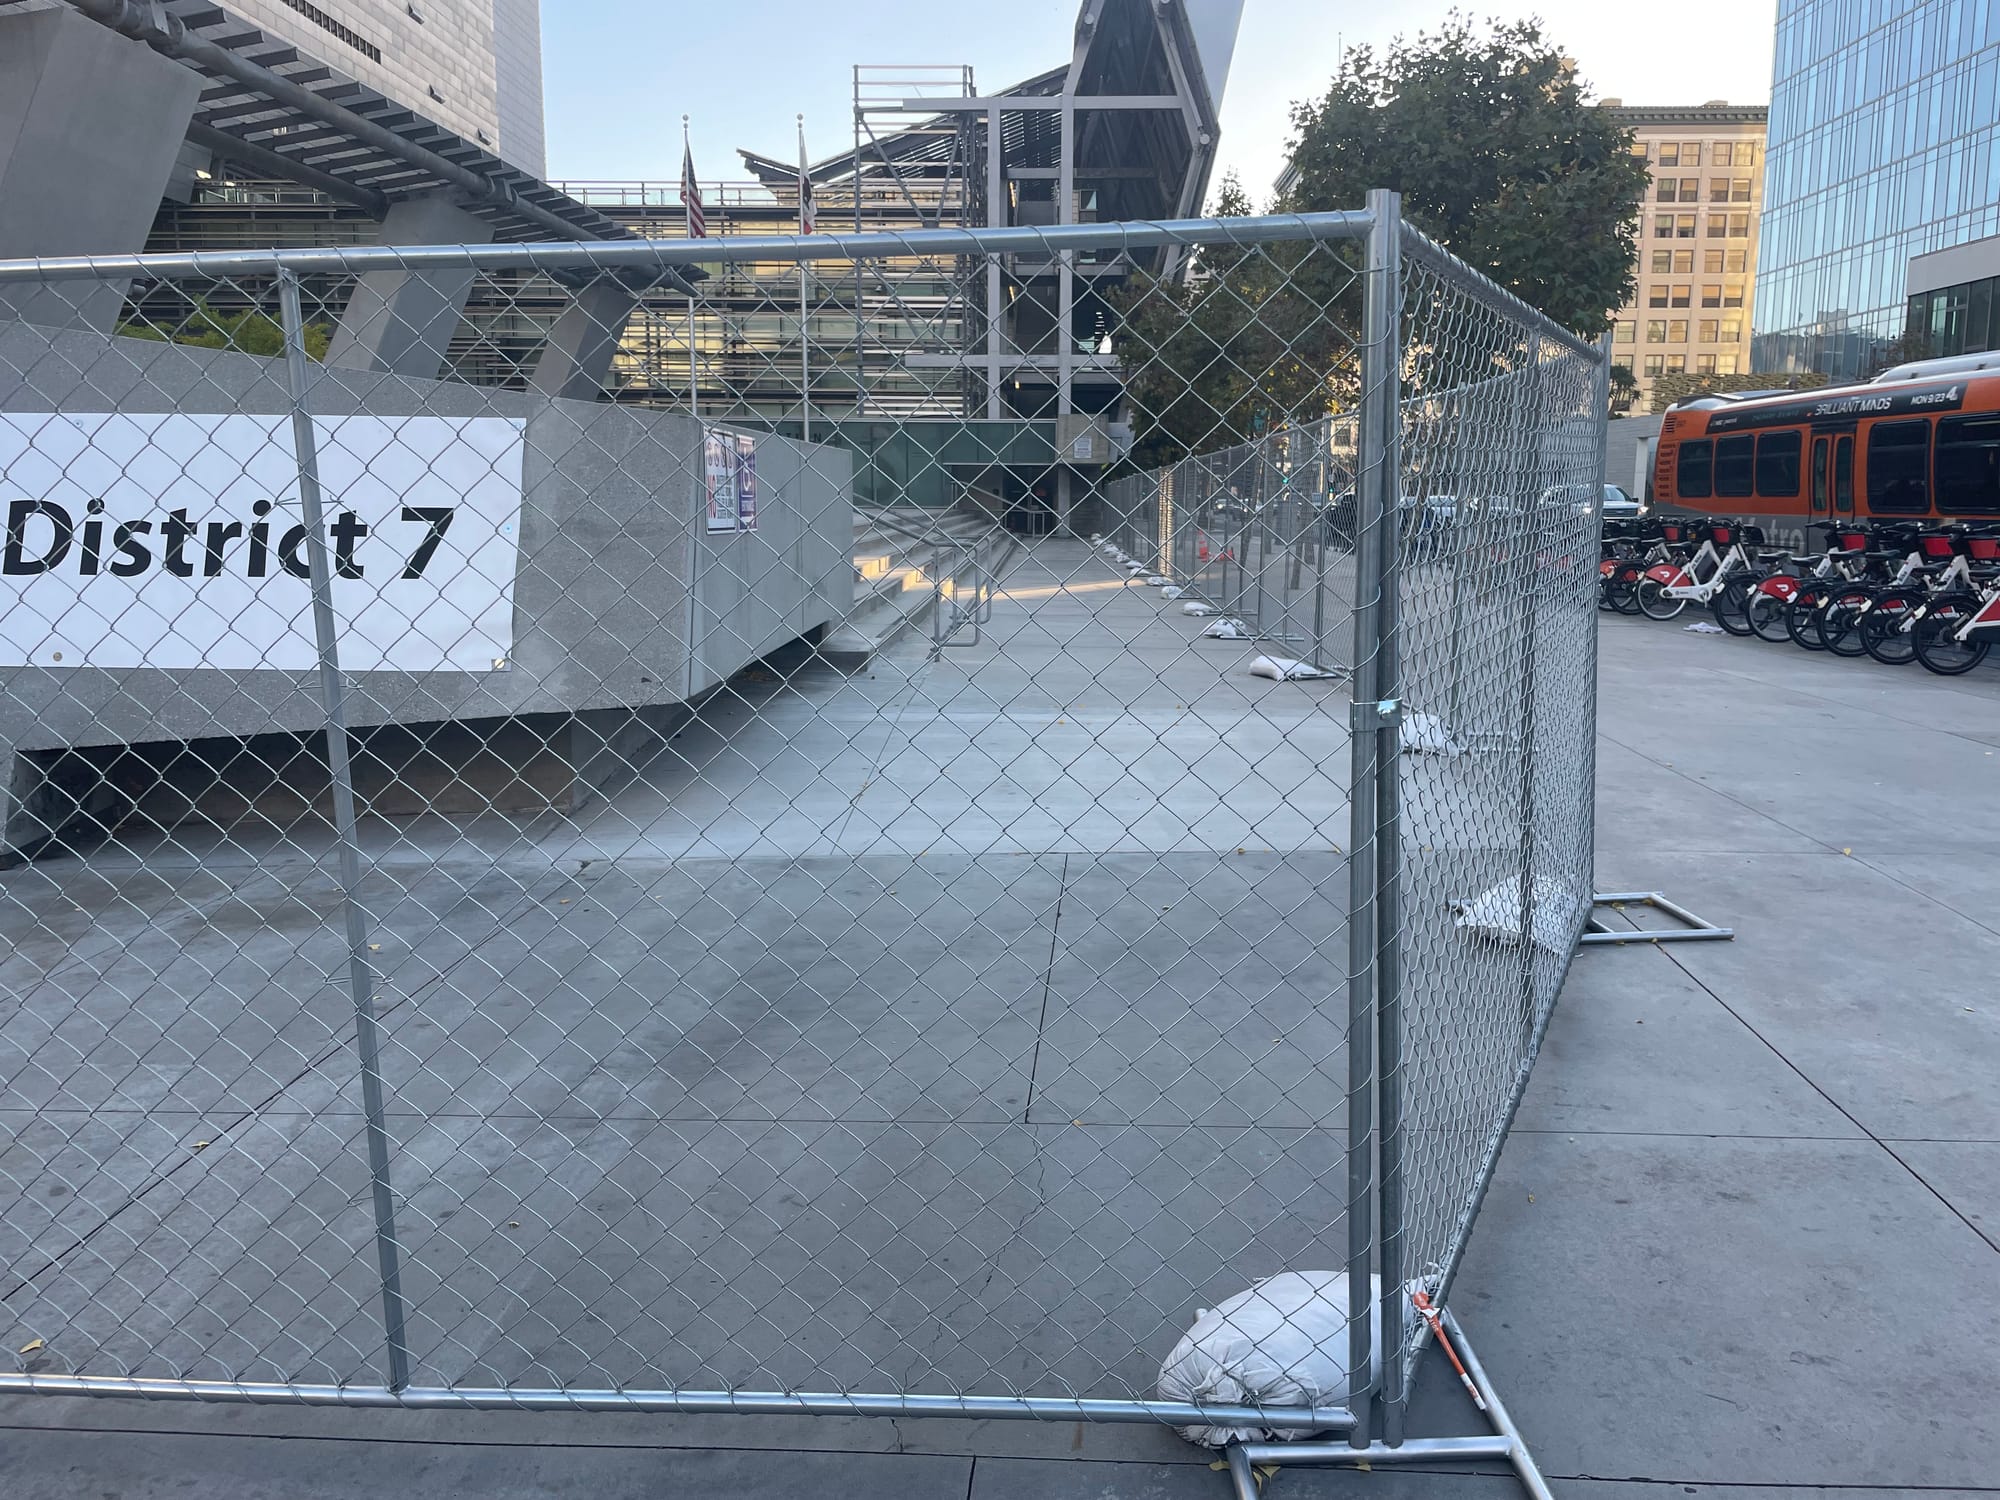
x,y
1281,1343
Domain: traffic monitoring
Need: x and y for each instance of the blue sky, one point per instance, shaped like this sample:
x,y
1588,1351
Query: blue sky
x,y
619,74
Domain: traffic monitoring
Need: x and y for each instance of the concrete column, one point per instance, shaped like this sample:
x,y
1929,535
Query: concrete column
x,y
577,357
402,321
90,124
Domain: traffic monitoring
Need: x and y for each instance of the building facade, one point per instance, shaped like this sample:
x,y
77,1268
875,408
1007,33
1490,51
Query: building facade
x,y
1955,300
474,66
1697,273
1884,145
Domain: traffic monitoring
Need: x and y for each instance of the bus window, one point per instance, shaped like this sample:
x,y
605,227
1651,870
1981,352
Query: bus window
x,y
1968,466
1843,474
1821,454
1899,468
1778,465
1733,466
1691,478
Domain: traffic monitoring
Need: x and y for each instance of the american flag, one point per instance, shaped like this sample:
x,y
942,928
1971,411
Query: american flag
x,y
808,211
697,220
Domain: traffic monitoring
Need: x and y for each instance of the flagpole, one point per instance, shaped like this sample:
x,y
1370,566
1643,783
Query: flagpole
x,y
805,282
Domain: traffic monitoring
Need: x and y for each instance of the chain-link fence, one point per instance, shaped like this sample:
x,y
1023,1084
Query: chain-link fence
x,y
568,845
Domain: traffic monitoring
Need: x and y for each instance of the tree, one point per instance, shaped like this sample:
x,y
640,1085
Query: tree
x,y
1497,155
1624,390
1247,338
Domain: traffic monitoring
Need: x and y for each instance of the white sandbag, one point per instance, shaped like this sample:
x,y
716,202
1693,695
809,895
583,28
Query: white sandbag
x,y
1426,734
1172,591
1197,610
1286,669
1281,1343
1495,914
1228,628
1156,581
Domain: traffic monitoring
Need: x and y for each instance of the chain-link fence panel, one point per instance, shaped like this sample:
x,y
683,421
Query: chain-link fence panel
x,y
1492,659
772,824
582,831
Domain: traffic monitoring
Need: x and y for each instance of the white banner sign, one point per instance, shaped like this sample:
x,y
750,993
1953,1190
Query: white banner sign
x,y
176,541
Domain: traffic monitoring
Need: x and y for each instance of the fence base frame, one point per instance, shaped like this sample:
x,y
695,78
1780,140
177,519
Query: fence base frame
x,y
1504,1442
1694,929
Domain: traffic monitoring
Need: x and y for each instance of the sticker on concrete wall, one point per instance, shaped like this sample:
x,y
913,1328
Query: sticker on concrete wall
x,y
746,482
718,471
177,541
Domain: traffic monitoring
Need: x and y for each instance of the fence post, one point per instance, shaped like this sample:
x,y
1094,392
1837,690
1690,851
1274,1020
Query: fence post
x,y
1531,608
333,693
1370,743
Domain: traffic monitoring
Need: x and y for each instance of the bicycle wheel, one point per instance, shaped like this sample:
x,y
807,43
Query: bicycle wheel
x,y
1731,606
1621,590
1655,603
1937,646
1882,634
1766,614
1839,624
1802,619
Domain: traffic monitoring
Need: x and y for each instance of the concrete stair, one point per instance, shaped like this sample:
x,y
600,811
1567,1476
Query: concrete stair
x,y
908,562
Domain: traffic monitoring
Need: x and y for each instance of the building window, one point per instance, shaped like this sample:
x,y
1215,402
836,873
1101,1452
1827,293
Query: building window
x,y
1739,226
1663,262
1655,364
1718,226
1690,153
1732,294
1656,296
1681,295
1656,330
1704,364
1684,226
1739,190
1684,262
1725,364
1677,364
1622,361
1706,331
1670,153
1711,296
1667,189
1677,331
1739,262
1732,330
1718,190
1642,150
1626,331
1723,154
1663,226
1711,262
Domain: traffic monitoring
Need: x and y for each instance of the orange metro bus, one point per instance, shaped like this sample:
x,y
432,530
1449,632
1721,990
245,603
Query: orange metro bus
x,y
1921,442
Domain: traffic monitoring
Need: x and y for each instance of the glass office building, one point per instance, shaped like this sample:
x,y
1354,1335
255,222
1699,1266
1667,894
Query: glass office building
x,y
1884,144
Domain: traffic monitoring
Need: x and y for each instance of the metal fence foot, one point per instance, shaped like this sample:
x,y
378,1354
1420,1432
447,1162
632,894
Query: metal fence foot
x,y
1694,929
1503,1442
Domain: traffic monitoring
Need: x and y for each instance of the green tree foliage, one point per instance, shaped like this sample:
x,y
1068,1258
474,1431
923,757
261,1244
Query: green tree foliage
x,y
1498,157
1624,391
246,332
1251,336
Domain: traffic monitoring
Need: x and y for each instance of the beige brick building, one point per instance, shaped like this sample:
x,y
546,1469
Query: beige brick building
x,y
1697,241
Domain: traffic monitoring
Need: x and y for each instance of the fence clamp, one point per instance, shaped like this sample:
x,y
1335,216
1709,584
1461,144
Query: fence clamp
x,y
1385,713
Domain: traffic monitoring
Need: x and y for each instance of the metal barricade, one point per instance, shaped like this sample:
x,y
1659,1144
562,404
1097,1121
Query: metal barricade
x,y
543,874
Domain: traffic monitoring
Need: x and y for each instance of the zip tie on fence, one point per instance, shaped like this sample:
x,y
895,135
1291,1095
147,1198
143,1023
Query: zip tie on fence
x,y
1422,1301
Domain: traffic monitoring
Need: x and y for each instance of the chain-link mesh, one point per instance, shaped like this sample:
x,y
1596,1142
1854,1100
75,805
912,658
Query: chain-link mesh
x,y
540,864
1498,493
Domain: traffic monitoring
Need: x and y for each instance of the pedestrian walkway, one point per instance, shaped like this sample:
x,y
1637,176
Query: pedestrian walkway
x,y
1740,1234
